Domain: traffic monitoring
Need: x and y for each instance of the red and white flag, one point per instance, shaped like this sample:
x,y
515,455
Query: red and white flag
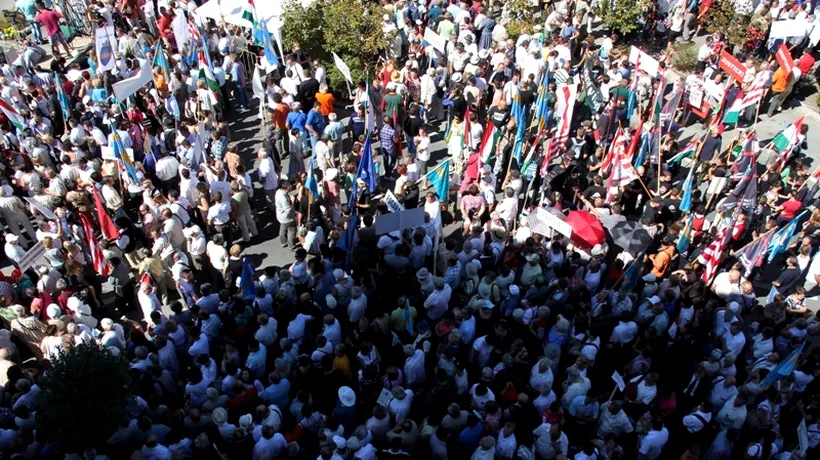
x,y
710,257
564,106
100,264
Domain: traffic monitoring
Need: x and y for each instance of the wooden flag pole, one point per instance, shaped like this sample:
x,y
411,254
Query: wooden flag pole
x,y
737,251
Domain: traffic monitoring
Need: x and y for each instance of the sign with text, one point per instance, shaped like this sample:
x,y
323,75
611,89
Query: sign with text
x,y
435,40
789,28
544,223
616,377
784,58
40,208
393,203
31,256
343,68
732,66
649,64
393,221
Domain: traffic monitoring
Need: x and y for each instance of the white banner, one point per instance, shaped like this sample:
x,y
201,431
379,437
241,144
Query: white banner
x,y
393,203
31,256
106,42
180,27
544,223
648,63
789,28
129,86
814,36
47,213
435,40
343,68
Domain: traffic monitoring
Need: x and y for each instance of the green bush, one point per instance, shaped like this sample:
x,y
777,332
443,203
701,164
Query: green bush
x,y
349,28
621,16
685,58
85,397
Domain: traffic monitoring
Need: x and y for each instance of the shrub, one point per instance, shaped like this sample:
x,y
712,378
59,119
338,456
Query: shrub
x,y
685,58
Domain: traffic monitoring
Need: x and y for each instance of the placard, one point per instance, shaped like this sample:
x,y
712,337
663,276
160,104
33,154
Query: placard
x,y
648,63
390,222
544,223
619,380
31,256
47,213
789,28
435,40
732,66
784,58
393,203
107,153
106,41
123,89
696,95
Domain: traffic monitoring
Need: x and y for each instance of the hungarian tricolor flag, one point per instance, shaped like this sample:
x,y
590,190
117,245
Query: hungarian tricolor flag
x,y
687,151
250,13
466,140
531,153
489,142
206,74
15,118
732,114
785,142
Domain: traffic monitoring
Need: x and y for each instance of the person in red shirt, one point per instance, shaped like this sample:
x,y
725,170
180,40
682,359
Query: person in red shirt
x,y
806,62
788,209
50,19
164,23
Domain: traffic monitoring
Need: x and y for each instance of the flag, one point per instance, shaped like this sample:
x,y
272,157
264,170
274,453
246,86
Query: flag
x,y
172,106
313,185
604,124
545,163
262,36
439,178
784,368
688,186
732,114
120,153
564,106
542,104
489,142
781,238
748,150
716,123
159,60
633,273
531,153
739,192
98,259
671,106
109,230
641,158
65,104
710,257
246,280
206,73
15,118
520,115
685,236
257,86
466,139
609,159
636,138
752,255
686,152
749,201
249,14
785,141
366,170
349,236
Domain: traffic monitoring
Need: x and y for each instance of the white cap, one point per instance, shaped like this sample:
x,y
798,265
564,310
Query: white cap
x,y
347,396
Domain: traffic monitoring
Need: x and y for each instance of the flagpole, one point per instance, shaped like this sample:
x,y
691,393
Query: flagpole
x,y
757,111
737,251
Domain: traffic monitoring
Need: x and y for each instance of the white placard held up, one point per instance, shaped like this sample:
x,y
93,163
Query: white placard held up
x,y
435,40
789,28
129,86
106,41
343,68
107,153
544,222
393,203
616,377
47,213
649,64
31,256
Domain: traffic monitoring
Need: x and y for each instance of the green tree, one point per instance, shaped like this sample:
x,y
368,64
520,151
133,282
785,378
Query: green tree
x,y
85,397
722,17
621,16
349,28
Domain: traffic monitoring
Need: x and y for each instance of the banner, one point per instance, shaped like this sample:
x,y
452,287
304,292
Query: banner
x,y
696,94
47,213
789,28
814,36
106,42
129,86
648,63
393,203
732,66
435,40
181,34
784,58
544,223
343,68
31,256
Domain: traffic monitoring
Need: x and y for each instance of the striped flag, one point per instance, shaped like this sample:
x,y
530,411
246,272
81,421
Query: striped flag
x,y
120,153
545,163
748,150
100,264
752,255
205,73
622,171
732,114
249,14
685,236
785,142
686,152
753,94
531,153
784,368
564,106
15,118
609,159
710,257
488,143
688,186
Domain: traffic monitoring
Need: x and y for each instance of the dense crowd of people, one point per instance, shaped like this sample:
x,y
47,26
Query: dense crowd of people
x,y
585,284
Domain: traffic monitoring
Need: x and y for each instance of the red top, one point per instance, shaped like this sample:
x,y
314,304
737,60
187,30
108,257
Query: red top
x,y
790,208
805,63
164,23
50,19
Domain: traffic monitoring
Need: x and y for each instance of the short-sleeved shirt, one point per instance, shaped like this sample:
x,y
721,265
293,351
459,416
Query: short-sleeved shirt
x,y
50,19
790,208
326,100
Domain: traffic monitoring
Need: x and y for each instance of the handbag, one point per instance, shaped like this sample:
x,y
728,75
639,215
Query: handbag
x,y
631,390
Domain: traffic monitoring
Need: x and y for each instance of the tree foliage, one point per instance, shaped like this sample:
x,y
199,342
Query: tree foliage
x,y
621,16
722,17
349,28
84,398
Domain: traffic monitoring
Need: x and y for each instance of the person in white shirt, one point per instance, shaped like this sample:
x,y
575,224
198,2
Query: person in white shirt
x,y
270,445
652,443
550,441
697,420
733,413
613,421
414,365
734,340
438,302
269,178
399,406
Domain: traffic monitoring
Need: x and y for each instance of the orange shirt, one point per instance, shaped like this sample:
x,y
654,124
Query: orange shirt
x,y
779,80
159,81
326,100
280,115
661,261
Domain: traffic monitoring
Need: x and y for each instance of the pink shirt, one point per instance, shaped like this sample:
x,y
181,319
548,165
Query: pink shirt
x,y
50,19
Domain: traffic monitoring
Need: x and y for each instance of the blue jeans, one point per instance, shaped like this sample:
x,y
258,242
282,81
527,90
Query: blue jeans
x,y
389,159
241,96
36,33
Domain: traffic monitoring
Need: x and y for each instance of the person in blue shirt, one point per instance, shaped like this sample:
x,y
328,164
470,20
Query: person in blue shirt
x,y
315,124
470,436
240,84
296,120
29,10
